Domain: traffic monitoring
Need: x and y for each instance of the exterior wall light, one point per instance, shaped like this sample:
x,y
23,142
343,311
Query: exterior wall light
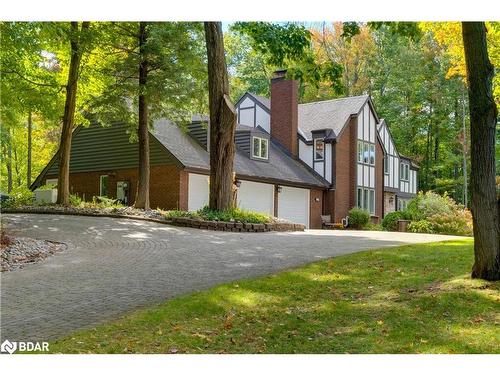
x,y
237,183
279,189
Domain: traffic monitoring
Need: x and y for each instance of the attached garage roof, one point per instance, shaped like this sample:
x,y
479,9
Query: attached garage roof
x,y
280,167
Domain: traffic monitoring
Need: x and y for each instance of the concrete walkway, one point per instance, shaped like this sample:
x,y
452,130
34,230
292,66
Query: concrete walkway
x,y
113,266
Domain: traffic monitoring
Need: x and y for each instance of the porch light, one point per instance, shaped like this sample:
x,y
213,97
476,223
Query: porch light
x,y
237,183
279,189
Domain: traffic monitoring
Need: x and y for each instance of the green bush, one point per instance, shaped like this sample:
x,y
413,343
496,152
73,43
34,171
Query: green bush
x,y
433,213
233,214
75,201
358,218
390,221
47,187
21,196
430,203
420,226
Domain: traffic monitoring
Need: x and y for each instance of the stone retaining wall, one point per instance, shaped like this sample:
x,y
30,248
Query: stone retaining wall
x,y
236,227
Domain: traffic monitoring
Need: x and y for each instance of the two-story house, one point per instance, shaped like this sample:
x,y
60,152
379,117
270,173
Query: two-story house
x,y
294,161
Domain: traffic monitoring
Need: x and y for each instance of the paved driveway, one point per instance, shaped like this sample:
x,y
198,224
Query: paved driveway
x,y
112,266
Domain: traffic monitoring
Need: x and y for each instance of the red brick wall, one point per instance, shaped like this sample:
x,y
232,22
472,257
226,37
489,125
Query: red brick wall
x,y
168,185
345,172
379,181
284,113
315,208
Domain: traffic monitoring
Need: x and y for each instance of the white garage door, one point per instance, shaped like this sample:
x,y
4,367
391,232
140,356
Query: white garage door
x,y
197,191
255,196
293,205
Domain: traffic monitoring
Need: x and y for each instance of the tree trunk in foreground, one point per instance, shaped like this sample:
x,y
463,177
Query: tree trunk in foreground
x,y
69,112
483,117
30,129
142,197
222,121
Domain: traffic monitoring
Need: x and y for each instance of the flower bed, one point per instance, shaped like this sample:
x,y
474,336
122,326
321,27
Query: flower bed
x,y
277,226
237,221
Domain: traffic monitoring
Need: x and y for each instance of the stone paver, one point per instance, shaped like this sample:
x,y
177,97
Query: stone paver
x,y
112,266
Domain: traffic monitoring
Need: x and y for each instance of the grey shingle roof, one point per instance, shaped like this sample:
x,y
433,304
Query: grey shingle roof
x,y
329,114
281,166
261,99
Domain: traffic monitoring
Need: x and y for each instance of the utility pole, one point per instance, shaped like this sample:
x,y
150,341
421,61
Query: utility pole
x,y
464,148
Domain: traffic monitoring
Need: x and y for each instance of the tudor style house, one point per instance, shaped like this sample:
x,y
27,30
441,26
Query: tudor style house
x,y
294,161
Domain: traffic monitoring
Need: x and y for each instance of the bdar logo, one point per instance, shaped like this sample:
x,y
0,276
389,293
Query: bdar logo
x,y
8,347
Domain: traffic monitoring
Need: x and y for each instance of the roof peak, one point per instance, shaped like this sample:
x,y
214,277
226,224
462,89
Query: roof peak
x,y
336,99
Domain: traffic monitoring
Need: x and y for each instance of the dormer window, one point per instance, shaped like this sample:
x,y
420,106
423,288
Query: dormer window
x,y
319,149
260,148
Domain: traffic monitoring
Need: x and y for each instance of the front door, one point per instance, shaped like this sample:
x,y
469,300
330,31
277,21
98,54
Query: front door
x,y
122,192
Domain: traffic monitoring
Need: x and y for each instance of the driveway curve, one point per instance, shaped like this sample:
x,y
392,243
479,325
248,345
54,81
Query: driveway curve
x,y
112,266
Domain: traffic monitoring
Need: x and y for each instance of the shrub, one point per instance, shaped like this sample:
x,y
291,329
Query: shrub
x,y
47,187
458,223
232,214
358,218
21,196
430,203
420,226
75,200
390,221
433,213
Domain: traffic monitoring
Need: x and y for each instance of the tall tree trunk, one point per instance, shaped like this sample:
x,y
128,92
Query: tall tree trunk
x,y
483,118
30,129
69,112
142,198
16,166
222,121
9,161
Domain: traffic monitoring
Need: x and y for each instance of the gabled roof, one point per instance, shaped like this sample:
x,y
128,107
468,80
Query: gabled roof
x,y
262,101
281,167
329,114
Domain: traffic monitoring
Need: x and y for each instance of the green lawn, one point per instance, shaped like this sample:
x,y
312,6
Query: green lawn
x,y
410,299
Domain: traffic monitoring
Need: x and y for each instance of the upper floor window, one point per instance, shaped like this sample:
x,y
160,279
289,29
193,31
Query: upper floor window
x,y
405,171
260,148
386,164
319,150
103,185
372,154
366,153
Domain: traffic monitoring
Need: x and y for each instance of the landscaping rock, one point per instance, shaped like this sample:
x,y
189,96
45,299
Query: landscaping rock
x,y
22,251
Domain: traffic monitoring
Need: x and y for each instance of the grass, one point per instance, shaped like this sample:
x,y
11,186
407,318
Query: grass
x,y
410,299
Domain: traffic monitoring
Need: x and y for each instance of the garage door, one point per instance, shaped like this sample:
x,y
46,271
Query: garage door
x,y
293,205
197,191
255,196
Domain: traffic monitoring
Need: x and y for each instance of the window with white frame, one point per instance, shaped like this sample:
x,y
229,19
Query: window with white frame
x,y
51,181
402,204
366,153
103,185
366,199
405,171
372,154
319,150
260,148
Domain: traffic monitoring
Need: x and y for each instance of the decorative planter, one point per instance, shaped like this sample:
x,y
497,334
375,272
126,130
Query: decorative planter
x,y
46,196
403,225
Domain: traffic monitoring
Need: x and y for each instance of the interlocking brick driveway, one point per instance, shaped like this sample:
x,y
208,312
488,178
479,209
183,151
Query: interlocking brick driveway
x,y
112,266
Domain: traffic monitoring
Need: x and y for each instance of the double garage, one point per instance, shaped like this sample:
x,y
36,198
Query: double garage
x,y
292,203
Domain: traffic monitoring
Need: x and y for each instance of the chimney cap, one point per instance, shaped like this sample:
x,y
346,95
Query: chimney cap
x,y
280,73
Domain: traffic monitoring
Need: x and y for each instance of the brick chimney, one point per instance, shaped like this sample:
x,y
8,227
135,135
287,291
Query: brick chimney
x,y
284,111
